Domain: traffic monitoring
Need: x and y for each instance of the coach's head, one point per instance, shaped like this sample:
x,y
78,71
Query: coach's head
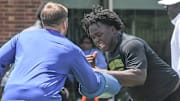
x,y
54,16
103,26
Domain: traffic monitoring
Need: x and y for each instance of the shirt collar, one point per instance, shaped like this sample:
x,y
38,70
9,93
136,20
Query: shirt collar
x,y
173,21
54,32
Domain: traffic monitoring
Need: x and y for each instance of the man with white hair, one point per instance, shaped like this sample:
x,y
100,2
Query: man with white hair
x,y
173,10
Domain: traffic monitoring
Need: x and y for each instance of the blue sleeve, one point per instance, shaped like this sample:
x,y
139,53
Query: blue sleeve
x,y
84,73
7,53
100,60
109,87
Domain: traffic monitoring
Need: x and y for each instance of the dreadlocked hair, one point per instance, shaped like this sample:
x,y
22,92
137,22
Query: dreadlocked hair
x,y
104,16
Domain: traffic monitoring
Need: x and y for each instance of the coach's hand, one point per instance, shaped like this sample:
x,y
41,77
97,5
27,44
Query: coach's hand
x,y
91,58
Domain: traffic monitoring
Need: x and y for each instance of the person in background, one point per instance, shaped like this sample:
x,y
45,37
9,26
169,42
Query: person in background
x,y
87,46
173,10
144,75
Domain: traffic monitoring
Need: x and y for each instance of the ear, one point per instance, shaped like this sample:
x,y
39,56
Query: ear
x,y
65,24
113,29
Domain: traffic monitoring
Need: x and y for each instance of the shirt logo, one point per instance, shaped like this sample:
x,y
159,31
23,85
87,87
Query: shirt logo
x,y
116,64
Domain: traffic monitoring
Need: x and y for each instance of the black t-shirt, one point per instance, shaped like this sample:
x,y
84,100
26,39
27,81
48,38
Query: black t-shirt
x,y
133,52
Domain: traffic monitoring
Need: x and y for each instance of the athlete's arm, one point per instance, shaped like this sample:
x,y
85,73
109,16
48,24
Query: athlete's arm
x,y
128,78
136,65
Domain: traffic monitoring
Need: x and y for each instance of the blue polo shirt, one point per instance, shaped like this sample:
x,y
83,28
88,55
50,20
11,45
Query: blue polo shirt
x,y
42,59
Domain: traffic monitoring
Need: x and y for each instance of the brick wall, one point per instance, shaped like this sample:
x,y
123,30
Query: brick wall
x,y
15,15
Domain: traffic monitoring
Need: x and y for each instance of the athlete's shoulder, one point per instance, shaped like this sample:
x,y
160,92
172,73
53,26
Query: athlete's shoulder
x,y
128,39
130,42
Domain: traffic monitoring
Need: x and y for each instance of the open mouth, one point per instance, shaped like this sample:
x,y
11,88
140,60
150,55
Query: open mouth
x,y
101,45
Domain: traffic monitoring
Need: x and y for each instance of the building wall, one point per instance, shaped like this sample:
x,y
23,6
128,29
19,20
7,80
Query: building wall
x,y
15,15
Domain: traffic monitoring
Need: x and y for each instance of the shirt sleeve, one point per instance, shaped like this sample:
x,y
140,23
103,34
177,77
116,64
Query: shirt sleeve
x,y
83,72
135,55
7,53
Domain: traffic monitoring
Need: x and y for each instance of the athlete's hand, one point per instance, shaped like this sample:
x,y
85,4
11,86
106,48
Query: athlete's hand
x,y
91,58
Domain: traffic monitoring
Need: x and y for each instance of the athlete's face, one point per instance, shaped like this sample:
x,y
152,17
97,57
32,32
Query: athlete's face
x,y
102,35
